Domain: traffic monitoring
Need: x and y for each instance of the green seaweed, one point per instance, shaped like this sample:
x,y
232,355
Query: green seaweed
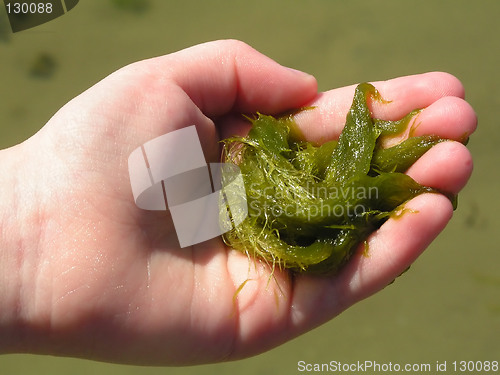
x,y
309,206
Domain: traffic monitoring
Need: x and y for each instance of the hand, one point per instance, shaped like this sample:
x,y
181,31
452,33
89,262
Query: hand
x,y
87,273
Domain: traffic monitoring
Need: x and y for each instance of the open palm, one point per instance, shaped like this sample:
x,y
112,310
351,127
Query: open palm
x,y
110,281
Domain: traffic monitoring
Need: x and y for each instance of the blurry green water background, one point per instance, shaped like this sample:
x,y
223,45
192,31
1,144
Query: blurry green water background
x,y
447,307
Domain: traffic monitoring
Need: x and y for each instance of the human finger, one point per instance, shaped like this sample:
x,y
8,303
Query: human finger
x,y
229,75
448,117
388,252
327,119
447,166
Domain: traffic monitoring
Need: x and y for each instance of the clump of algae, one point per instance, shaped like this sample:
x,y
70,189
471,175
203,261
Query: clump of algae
x,y
310,206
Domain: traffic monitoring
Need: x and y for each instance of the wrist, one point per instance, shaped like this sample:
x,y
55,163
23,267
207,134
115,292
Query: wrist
x,y
19,229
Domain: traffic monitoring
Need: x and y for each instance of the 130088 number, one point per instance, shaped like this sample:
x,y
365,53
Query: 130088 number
x,y
469,366
25,8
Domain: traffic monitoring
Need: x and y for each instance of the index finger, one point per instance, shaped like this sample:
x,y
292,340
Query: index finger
x,y
326,120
